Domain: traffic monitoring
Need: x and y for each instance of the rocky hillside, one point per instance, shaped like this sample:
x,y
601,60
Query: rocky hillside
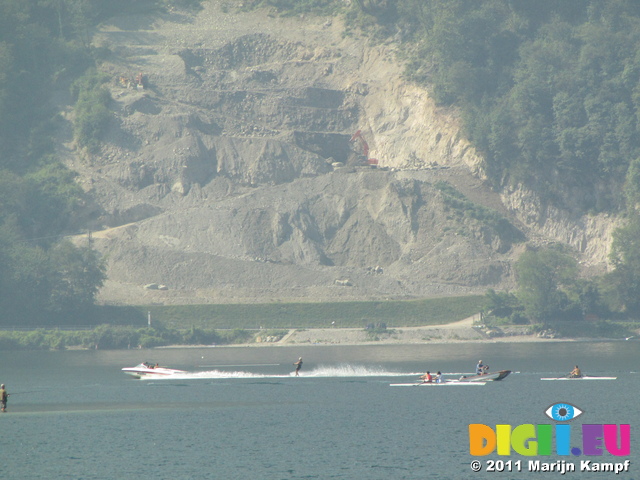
x,y
228,173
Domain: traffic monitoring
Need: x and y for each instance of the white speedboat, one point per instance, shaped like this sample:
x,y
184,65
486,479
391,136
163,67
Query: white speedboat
x,y
147,370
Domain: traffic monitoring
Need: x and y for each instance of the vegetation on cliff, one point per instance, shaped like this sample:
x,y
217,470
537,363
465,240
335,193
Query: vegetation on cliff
x,y
549,95
45,44
548,89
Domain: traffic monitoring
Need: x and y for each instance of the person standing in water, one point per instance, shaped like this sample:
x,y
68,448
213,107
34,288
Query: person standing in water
x,y
4,396
298,365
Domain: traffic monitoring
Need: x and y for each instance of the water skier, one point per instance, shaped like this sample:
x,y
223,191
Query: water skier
x,y
298,365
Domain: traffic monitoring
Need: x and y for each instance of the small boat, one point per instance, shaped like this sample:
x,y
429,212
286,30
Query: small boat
x,y
494,376
146,370
583,377
449,383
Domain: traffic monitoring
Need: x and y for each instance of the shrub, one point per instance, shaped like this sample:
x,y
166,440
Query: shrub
x,y
296,7
235,336
91,110
150,341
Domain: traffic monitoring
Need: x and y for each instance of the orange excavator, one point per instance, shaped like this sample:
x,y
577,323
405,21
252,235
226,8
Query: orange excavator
x,y
364,158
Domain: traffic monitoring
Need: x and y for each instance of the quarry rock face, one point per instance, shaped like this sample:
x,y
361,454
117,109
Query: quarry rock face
x,y
230,173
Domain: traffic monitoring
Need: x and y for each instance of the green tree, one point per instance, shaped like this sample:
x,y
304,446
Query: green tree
x,y
91,112
587,297
543,278
44,45
29,286
632,186
625,256
548,90
52,197
502,304
76,278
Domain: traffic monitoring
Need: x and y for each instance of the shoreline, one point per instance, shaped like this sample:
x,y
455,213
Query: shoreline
x,y
463,331
455,333
344,343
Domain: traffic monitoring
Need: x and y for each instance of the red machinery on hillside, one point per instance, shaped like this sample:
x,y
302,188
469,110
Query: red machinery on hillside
x,y
364,158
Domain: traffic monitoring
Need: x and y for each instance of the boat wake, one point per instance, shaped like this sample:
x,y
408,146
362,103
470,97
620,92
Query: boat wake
x,y
352,371
318,372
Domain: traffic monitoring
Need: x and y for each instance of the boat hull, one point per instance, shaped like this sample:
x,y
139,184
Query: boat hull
x,y
495,377
145,371
443,384
584,377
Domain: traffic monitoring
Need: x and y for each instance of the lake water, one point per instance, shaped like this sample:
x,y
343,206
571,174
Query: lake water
x,y
241,415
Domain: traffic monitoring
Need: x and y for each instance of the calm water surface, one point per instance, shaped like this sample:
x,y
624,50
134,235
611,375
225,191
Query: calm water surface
x,y
240,414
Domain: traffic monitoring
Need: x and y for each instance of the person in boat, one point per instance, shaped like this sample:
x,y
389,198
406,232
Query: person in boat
x,y
298,365
439,378
4,396
480,368
575,373
427,378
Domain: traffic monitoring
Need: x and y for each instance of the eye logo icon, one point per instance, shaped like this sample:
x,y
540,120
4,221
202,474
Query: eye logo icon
x,y
563,412
531,440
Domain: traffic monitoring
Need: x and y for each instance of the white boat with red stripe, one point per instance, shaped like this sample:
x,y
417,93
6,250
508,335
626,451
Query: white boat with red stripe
x,y
147,370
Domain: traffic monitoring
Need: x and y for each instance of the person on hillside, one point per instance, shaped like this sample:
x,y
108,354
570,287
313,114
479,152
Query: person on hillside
x,y
298,365
4,396
427,378
575,373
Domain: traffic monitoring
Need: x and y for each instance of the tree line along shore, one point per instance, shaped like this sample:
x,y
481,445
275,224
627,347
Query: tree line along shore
x,y
152,326
127,327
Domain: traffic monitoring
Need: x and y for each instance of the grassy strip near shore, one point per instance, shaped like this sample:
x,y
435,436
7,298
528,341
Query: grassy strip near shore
x,y
111,337
126,327
405,313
